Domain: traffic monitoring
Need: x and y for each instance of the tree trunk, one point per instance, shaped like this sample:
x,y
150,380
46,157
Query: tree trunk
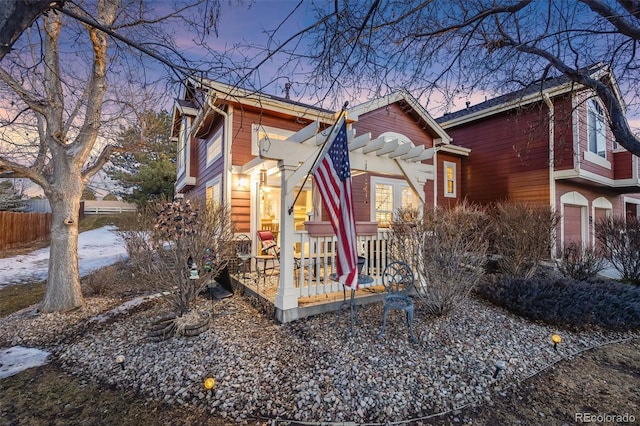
x,y
63,283
18,15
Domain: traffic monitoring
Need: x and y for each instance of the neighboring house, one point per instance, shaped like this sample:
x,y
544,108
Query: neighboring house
x,y
253,151
549,144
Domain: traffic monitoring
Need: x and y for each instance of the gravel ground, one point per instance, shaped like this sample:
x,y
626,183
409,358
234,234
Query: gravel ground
x,y
311,370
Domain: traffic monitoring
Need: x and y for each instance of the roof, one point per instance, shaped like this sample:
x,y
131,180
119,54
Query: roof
x,y
531,93
401,95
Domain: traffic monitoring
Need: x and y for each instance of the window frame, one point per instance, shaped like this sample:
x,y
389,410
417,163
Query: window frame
x,y
183,144
397,186
446,165
214,142
213,183
596,128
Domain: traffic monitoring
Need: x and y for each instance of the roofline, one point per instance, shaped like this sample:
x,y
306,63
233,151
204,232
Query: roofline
x,y
226,93
537,96
507,106
401,95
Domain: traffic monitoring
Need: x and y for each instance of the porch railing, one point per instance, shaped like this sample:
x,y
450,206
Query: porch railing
x,y
315,261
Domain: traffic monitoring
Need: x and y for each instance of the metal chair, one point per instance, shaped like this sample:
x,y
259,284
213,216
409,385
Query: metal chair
x,y
398,281
243,251
269,250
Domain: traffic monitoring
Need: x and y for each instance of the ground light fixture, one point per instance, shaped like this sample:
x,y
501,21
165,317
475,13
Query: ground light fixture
x,y
500,364
556,339
209,383
120,361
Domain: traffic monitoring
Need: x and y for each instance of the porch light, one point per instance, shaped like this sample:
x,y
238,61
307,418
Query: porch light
x,y
263,177
242,182
209,383
556,339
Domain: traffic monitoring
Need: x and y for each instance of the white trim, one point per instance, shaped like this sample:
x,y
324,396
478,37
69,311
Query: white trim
x,y
507,106
215,139
596,159
447,165
272,133
594,177
574,198
396,187
593,104
226,93
216,181
401,95
599,203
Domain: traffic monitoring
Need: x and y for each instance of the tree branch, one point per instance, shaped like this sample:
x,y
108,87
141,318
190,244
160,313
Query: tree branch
x,y
614,18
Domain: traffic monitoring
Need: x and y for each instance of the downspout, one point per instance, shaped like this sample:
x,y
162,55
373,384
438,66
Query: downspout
x,y
227,148
552,181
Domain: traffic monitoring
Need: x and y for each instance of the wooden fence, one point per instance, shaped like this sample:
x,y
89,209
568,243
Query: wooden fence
x,y
23,228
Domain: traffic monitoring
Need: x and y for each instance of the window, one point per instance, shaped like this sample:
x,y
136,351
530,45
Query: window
x,y
450,189
213,194
182,143
214,147
596,129
388,196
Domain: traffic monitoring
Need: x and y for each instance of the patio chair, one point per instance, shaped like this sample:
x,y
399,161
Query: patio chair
x,y
398,281
269,249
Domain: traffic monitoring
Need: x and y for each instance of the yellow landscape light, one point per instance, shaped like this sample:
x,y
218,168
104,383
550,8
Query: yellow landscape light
x,y
556,339
209,383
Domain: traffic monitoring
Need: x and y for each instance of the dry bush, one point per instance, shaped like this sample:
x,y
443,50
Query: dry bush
x,y
171,235
446,248
620,239
522,236
580,262
114,279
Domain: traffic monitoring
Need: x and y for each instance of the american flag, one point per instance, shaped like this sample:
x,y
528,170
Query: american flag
x,y
333,176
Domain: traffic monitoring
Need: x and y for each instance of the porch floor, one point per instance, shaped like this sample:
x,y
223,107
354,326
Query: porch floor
x,y
265,286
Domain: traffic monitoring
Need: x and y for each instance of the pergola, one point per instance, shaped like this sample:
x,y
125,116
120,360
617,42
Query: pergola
x,y
390,153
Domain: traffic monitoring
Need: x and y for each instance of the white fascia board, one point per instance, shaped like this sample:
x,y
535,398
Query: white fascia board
x,y
227,93
402,95
455,150
507,106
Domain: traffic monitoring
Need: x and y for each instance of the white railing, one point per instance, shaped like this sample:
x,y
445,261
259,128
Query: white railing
x,y
315,257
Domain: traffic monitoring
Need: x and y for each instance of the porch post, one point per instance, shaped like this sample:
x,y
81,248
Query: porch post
x,y
287,295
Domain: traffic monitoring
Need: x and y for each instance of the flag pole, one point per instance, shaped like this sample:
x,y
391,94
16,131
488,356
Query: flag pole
x,y
333,128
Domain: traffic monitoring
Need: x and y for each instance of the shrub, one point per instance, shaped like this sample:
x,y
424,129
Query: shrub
x,y
447,250
522,236
169,237
620,240
568,303
580,262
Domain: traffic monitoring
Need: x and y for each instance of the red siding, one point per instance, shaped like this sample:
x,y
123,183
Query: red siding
x,y
509,156
392,118
623,165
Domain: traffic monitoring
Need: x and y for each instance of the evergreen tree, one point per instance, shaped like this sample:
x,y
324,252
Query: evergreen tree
x,y
11,199
88,194
147,171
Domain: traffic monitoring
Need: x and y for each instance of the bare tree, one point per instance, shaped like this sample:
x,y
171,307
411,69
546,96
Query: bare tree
x,y
66,89
444,50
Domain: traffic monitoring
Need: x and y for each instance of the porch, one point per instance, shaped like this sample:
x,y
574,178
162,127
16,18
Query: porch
x,y
310,290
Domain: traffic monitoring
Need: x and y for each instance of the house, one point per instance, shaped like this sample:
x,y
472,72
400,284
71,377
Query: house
x,y
549,143
253,151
